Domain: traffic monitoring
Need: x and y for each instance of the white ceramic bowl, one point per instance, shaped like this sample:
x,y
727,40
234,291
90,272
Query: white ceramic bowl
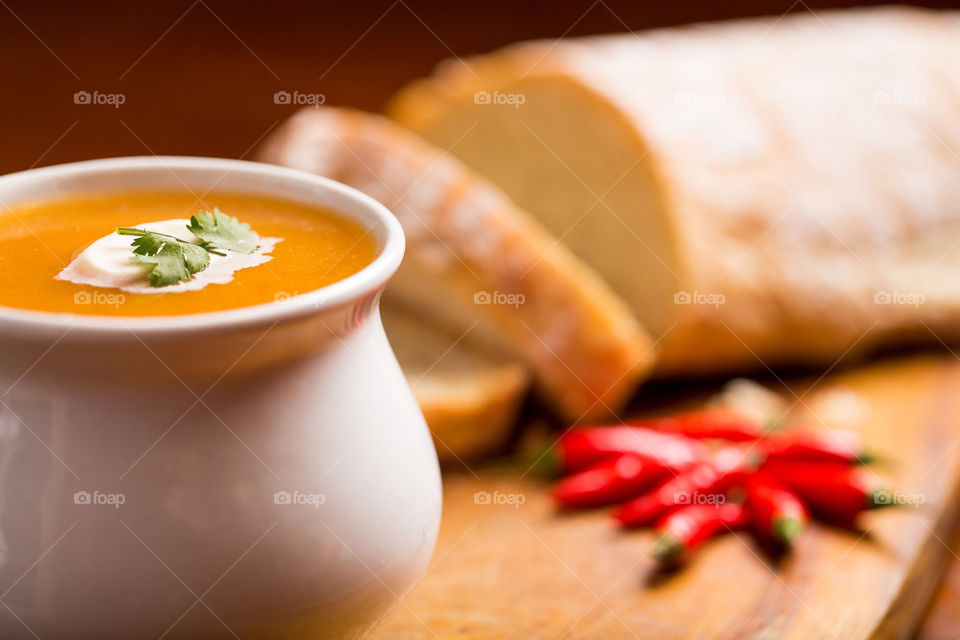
x,y
257,472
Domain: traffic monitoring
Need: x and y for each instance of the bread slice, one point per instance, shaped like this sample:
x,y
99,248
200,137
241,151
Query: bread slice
x,y
474,260
469,394
762,191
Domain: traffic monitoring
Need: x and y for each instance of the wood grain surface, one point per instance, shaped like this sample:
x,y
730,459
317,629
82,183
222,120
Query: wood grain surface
x,y
943,620
519,570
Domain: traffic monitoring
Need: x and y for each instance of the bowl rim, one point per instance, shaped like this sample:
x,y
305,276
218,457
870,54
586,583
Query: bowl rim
x,y
367,280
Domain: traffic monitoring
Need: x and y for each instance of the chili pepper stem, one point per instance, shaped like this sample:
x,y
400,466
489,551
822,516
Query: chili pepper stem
x,y
775,424
880,499
787,530
667,549
543,462
868,458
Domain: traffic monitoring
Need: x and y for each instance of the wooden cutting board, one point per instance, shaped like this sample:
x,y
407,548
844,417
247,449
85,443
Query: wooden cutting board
x,y
517,569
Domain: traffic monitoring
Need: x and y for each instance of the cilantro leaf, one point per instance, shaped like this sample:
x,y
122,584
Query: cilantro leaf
x,y
195,257
173,259
169,266
218,230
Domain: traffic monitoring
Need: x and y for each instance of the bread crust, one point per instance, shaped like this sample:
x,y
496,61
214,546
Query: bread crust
x,y
474,260
807,166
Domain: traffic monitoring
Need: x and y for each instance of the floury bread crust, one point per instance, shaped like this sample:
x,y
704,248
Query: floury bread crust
x,y
761,191
476,262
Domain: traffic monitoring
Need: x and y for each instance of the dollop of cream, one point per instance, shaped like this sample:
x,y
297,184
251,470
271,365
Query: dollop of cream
x,y
108,262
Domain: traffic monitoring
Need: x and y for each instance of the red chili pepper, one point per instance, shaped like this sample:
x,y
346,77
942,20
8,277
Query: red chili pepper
x,y
608,482
837,491
585,447
778,514
722,423
705,482
821,445
685,529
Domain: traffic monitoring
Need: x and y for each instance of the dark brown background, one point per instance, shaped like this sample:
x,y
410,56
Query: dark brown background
x,y
198,76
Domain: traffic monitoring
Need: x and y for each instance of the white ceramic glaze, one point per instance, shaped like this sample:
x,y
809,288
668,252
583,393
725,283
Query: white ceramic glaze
x,y
257,472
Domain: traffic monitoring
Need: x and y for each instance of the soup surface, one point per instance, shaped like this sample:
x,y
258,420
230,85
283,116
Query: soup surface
x,y
37,241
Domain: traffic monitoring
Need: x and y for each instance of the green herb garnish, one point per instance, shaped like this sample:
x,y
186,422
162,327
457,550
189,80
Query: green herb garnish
x,y
221,231
174,260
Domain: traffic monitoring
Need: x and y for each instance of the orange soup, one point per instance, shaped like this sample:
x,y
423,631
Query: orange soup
x,y
318,248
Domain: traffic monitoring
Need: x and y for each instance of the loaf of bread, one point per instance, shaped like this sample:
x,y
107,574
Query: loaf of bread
x,y
478,263
470,394
761,192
